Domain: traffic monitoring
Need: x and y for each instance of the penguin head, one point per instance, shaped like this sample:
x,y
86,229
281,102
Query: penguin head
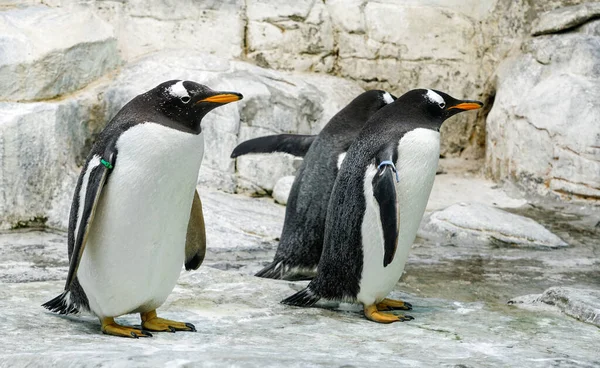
x,y
374,99
188,102
438,106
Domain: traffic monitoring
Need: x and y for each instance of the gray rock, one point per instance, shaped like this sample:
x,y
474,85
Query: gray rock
x,y
282,189
476,222
290,35
542,131
582,304
41,147
144,27
34,66
566,18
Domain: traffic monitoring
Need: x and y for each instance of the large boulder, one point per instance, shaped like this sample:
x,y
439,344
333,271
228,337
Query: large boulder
x,y
42,146
543,130
479,223
581,304
35,66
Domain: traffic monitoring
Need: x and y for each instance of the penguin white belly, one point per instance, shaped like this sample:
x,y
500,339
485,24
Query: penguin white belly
x,y
136,243
418,156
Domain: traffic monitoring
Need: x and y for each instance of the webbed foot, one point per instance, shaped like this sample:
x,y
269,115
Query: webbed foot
x,y
151,322
391,304
372,313
110,327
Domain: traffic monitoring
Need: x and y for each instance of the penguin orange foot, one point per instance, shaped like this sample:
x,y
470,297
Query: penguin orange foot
x,y
151,322
110,327
372,313
391,304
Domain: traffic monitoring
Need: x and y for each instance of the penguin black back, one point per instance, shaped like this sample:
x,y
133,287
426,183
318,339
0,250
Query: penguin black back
x,y
301,241
341,265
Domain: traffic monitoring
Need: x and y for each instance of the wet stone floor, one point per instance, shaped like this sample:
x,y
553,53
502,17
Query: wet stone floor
x,y
459,293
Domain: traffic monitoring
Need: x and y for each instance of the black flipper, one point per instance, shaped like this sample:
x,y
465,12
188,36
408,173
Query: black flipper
x,y
303,298
89,189
294,144
195,242
384,191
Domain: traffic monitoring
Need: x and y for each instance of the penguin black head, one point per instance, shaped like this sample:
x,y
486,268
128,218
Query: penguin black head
x,y
187,102
373,100
437,106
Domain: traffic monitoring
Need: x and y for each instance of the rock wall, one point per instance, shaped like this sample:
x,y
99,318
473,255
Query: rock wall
x,y
543,130
67,66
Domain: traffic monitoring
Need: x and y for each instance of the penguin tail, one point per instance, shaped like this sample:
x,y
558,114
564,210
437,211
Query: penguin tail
x,y
303,298
279,270
275,270
62,304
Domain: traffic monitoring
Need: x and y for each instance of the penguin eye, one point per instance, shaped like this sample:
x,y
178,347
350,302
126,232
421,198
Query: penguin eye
x,y
442,105
185,99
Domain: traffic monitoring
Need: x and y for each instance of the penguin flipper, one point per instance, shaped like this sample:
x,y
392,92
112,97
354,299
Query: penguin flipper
x,y
195,242
384,191
92,181
294,144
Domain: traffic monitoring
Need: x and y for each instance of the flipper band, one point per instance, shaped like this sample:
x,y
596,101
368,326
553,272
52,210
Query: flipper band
x,y
390,163
108,164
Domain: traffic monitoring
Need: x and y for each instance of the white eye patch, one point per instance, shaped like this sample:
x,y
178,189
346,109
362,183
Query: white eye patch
x,y
178,90
435,98
387,98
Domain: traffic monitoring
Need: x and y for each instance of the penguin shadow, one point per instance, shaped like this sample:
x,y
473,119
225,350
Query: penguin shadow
x,y
83,324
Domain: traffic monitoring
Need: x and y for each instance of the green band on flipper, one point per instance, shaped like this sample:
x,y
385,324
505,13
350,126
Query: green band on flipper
x,y
106,163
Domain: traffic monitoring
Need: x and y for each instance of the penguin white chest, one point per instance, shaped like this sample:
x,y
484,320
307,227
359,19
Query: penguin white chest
x,y
136,243
418,156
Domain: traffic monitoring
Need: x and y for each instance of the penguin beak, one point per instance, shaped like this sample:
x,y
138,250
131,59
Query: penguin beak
x,y
223,98
467,105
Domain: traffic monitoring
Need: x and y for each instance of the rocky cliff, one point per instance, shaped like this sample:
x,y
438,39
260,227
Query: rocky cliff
x,y
66,67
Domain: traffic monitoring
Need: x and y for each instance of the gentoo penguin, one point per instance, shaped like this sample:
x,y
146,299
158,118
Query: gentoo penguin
x,y
377,203
135,218
301,241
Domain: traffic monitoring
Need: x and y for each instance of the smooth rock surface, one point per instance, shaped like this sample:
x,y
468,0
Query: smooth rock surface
x,y
143,27
282,189
563,19
548,139
34,66
582,304
459,296
42,146
475,222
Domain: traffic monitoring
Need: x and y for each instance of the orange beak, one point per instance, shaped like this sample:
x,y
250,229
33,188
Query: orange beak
x,y
467,105
223,98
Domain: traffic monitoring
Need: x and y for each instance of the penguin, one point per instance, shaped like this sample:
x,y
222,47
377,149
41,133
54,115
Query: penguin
x,y
377,203
301,241
136,217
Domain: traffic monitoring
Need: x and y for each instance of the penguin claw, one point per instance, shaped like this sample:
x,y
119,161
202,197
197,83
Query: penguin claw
x,y
406,318
191,327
